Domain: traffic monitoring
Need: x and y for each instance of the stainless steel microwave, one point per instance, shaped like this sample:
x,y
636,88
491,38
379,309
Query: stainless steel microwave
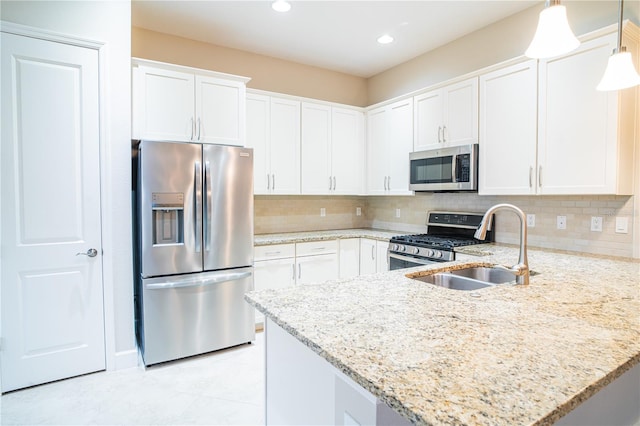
x,y
444,169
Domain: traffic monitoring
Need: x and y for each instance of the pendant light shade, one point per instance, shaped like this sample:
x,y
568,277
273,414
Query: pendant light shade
x,y
620,72
553,36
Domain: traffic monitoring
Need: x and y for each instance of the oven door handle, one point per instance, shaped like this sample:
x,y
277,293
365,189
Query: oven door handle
x,y
411,259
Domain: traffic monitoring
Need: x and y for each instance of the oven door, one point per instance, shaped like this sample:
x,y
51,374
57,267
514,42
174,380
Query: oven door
x,y
403,261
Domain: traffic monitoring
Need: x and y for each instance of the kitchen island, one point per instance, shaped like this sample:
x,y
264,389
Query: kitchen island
x,y
502,355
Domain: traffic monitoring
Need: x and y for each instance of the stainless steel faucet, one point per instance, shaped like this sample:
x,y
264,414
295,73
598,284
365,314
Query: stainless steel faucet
x,y
521,270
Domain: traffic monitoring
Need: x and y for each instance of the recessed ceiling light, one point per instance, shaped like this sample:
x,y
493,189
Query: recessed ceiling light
x,y
281,6
385,39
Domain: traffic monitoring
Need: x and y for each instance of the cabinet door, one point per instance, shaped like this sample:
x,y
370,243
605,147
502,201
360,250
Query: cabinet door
x,y
284,152
316,142
382,261
368,255
220,111
347,151
398,146
258,129
377,151
273,274
428,120
508,136
317,269
461,113
577,124
166,105
349,258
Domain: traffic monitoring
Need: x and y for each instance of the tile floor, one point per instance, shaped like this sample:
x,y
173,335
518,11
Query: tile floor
x,y
222,388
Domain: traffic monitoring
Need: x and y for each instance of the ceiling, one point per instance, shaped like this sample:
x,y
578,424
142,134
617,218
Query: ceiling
x,y
335,35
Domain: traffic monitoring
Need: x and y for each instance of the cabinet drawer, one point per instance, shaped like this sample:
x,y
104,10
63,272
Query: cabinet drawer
x,y
317,247
275,251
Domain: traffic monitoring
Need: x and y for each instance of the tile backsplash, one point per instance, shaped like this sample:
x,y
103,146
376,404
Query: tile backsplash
x,y
275,214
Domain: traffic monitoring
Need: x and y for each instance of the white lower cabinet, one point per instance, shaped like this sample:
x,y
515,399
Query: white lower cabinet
x,y
274,268
316,261
373,256
303,388
349,258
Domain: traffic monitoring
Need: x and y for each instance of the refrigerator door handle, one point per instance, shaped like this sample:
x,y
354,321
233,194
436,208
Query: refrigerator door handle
x,y
198,202
196,282
208,184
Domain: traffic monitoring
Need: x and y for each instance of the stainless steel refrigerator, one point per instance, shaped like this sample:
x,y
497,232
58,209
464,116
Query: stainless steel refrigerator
x,y
195,248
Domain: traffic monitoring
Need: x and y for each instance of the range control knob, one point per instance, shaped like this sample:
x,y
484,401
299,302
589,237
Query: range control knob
x,y
401,248
416,250
437,254
429,253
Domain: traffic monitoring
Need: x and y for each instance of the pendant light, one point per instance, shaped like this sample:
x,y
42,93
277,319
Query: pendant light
x,y
553,36
620,72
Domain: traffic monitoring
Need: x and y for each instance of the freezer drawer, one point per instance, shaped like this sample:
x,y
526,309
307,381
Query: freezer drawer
x,y
191,314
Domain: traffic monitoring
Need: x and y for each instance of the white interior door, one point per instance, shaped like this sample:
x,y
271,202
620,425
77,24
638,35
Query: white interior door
x,y
52,320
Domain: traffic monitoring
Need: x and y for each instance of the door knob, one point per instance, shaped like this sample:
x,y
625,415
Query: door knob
x,y
91,253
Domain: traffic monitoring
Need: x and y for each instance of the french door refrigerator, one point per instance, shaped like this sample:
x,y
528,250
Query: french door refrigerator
x,y
195,248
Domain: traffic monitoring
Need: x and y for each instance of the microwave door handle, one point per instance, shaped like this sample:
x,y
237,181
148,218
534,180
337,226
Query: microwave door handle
x,y
454,161
198,204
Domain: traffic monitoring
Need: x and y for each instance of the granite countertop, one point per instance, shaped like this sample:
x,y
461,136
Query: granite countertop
x,y
302,237
503,355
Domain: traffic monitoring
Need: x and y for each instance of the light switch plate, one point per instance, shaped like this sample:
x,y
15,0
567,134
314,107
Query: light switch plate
x,y
622,225
358,211
323,212
596,223
397,212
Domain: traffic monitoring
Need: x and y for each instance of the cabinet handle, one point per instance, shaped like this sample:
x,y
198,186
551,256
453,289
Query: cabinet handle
x,y
334,183
199,129
444,137
272,253
192,129
373,252
299,271
329,183
439,130
273,181
389,183
530,176
540,176
293,269
268,181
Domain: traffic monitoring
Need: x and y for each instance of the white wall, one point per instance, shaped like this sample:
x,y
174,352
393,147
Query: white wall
x,y
108,22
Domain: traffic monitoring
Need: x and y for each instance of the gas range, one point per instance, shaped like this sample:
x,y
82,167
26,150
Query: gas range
x,y
445,232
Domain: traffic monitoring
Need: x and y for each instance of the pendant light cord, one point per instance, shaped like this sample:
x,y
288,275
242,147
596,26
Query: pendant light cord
x,y
619,48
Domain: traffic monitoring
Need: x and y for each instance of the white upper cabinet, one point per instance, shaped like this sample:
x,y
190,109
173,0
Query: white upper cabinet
x,y
332,150
545,129
447,116
389,142
187,105
273,131
508,120
585,137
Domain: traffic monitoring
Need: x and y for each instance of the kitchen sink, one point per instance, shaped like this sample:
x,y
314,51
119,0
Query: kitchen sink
x,y
454,282
469,279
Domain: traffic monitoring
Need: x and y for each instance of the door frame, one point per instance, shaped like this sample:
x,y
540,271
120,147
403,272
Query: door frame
x,y
113,359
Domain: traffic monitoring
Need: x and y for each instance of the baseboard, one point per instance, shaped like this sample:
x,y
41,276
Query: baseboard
x,y
126,359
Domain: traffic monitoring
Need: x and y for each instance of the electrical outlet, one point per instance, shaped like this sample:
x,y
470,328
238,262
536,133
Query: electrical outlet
x,y
562,222
531,220
596,223
622,225
358,211
397,212
323,212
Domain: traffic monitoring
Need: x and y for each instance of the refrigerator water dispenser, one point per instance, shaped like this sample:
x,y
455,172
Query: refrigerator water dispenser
x,y
168,218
